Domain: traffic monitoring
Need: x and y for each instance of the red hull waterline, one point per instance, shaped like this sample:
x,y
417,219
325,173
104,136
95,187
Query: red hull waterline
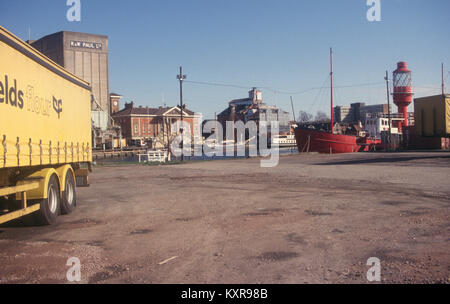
x,y
324,142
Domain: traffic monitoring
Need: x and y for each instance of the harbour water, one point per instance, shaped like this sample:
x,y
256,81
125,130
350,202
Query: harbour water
x,y
204,157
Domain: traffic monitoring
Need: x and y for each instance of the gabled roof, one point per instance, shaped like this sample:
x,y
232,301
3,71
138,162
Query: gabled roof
x,y
241,100
177,110
131,110
240,109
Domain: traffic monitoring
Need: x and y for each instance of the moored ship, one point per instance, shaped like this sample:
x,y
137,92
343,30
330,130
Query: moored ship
x,y
323,138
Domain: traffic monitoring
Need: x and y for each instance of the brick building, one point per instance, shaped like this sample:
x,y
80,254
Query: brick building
x,y
115,102
149,124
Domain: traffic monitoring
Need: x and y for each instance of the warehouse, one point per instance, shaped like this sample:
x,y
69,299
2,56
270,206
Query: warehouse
x,y
253,109
86,56
359,112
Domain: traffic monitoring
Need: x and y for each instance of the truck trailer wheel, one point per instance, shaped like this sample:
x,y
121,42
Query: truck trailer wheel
x,y
69,197
48,213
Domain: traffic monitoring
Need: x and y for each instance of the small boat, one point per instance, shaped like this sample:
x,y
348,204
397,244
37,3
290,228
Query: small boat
x,y
283,141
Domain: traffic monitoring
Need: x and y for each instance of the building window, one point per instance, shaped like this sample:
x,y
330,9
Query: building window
x,y
143,128
136,128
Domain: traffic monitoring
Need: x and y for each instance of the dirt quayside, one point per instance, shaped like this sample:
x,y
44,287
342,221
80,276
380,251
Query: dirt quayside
x,y
312,219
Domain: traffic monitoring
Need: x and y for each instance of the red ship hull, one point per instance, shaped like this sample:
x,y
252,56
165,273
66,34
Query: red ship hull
x,y
324,142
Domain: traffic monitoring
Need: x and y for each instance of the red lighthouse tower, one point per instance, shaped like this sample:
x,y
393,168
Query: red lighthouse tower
x,y
402,92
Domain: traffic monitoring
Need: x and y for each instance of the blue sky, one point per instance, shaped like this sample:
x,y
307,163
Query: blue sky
x,y
283,45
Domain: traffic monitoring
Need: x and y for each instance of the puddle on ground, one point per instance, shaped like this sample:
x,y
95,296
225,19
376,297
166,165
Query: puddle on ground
x,y
318,213
278,256
141,231
295,238
393,203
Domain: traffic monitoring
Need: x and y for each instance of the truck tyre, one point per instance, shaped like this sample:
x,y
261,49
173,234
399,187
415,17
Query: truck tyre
x,y
69,198
50,207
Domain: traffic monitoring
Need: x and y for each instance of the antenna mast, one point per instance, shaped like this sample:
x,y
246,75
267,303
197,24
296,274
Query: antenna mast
x,y
443,84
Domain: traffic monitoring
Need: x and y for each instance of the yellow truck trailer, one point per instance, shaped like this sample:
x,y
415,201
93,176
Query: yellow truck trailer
x,y
45,133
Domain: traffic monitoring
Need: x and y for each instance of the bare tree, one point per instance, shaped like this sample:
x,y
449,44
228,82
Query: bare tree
x,y
165,137
304,116
322,117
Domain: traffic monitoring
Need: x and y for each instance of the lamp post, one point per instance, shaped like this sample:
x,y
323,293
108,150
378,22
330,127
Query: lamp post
x,y
181,78
389,109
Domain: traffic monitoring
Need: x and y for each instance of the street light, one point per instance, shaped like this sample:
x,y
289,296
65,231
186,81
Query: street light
x,y
181,77
389,110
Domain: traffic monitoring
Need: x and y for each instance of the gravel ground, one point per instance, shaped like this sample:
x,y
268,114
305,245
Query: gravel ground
x,y
311,219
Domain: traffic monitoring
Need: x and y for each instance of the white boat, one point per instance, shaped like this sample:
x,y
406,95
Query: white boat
x,y
284,141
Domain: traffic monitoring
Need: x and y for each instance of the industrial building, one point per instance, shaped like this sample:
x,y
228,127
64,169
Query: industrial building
x,y
343,114
252,108
359,112
86,56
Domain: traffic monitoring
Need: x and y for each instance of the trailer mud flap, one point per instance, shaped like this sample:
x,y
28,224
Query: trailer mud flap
x,y
82,178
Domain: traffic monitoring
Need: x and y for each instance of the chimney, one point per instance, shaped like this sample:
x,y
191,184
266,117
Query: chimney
x,y
129,105
233,113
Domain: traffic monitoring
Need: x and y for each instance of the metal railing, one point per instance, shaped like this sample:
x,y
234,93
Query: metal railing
x,y
153,157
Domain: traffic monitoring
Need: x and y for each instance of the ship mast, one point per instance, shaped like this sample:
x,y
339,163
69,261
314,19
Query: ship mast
x,y
443,83
331,75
